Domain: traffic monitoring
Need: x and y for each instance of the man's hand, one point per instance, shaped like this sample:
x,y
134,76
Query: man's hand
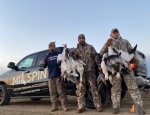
x,y
42,62
137,65
99,68
73,54
109,42
65,45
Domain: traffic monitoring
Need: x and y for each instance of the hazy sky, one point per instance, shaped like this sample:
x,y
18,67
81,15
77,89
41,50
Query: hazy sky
x,y
27,26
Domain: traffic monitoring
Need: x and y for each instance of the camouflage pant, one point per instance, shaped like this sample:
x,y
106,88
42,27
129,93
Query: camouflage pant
x,y
56,87
131,86
90,78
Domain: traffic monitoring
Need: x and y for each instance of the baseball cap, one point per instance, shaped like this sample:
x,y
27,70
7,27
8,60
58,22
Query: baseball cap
x,y
52,44
81,36
114,30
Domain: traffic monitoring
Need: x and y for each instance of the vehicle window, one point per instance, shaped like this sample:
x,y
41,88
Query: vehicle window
x,y
27,62
41,57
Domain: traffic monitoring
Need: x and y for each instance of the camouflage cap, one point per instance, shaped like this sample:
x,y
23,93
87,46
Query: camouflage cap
x,y
52,44
81,36
114,30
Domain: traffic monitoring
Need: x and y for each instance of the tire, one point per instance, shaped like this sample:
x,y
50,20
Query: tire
x,y
35,99
104,92
4,96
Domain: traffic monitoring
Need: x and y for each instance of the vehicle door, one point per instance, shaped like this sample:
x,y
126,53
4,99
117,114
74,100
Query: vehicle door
x,y
40,78
19,79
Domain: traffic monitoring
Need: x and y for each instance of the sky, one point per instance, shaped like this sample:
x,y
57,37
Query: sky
x,y
28,26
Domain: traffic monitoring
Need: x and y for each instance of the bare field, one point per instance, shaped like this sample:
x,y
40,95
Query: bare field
x,y
28,107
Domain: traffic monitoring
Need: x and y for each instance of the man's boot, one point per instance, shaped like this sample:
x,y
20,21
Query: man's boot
x,y
99,106
54,109
65,108
99,109
64,105
81,106
54,106
116,110
144,111
81,110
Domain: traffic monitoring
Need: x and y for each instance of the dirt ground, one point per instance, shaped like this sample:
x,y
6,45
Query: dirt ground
x,y
28,107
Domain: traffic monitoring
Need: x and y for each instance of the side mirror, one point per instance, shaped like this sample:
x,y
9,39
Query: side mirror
x,y
12,65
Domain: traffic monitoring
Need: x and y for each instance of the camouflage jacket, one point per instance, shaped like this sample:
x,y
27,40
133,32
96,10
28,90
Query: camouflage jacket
x,y
120,43
88,54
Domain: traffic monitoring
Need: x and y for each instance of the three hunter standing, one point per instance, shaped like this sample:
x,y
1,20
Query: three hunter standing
x,y
88,54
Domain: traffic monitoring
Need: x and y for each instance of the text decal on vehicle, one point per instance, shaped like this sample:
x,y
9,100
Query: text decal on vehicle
x,y
29,77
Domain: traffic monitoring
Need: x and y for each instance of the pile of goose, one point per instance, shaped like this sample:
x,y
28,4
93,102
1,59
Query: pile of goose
x,y
116,62
70,67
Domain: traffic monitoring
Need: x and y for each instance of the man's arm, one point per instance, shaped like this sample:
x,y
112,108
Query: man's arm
x,y
45,60
95,56
105,47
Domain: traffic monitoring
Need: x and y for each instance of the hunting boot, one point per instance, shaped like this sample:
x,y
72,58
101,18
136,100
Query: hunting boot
x,y
138,109
116,110
54,107
64,106
81,106
99,106
81,110
99,109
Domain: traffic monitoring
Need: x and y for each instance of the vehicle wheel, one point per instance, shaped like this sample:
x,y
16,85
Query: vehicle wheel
x,y
104,92
35,99
4,96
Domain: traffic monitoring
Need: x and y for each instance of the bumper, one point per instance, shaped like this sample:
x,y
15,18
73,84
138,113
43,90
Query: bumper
x,y
142,81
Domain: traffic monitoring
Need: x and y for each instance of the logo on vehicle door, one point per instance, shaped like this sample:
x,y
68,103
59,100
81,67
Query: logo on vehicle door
x,y
29,77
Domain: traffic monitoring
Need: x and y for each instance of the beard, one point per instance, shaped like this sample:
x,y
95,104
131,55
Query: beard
x,y
52,50
117,37
82,43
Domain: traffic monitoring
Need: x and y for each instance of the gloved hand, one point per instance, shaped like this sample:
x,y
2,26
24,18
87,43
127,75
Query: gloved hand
x,y
109,42
73,54
100,69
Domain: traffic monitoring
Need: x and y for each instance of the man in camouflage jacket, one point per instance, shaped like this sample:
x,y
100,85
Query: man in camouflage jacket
x,y
123,44
88,54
